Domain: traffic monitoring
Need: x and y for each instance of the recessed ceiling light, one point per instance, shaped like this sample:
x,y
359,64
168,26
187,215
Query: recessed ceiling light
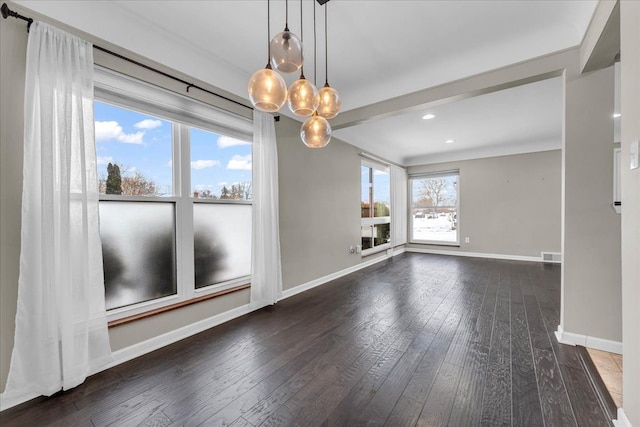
x,y
428,116
449,141
616,115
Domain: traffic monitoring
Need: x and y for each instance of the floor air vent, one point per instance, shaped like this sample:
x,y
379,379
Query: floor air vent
x,y
551,257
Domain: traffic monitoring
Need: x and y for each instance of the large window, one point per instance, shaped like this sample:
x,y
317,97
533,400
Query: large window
x,y
434,208
175,197
375,207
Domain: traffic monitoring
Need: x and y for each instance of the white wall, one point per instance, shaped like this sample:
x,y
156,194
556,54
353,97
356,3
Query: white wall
x,y
591,265
630,75
509,205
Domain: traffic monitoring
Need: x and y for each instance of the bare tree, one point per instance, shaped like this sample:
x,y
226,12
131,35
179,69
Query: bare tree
x,y
131,185
432,190
139,185
242,190
238,191
206,194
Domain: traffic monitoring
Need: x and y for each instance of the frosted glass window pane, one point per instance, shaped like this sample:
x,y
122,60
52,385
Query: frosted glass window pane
x,y
138,248
222,242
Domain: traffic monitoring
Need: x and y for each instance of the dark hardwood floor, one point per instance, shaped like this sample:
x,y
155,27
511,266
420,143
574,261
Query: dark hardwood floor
x,y
421,340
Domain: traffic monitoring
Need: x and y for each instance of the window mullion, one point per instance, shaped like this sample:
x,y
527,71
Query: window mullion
x,y
182,179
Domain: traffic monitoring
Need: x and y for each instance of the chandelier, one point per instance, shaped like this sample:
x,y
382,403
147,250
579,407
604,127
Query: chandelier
x,y
268,91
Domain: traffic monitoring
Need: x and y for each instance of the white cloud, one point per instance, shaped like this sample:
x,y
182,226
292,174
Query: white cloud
x,y
226,141
107,130
110,130
104,160
240,163
170,163
203,164
148,124
131,138
223,183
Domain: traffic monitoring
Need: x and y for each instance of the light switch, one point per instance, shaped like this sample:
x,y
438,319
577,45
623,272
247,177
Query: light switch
x,y
633,154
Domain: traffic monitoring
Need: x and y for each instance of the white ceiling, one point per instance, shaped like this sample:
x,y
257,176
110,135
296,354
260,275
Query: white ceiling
x,y
522,119
377,50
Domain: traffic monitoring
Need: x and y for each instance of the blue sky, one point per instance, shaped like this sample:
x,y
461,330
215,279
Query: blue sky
x,y
142,143
381,186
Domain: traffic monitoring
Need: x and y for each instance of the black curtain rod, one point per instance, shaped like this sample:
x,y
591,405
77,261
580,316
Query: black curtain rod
x,y
6,12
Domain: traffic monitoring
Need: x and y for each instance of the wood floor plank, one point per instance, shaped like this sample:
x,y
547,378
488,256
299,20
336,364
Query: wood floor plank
x,y
437,408
496,403
416,340
467,409
526,409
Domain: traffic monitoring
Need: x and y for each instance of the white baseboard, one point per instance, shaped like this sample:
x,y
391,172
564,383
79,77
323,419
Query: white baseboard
x,y
474,254
144,347
147,346
569,338
329,277
622,420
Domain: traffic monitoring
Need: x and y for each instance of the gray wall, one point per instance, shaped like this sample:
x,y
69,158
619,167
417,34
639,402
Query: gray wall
x,y
319,206
591,273
13,45
509,205
630,52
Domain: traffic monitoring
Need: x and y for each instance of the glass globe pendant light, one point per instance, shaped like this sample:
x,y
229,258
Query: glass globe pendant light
x,y
316,131
330,102
303,95
286,48
267,89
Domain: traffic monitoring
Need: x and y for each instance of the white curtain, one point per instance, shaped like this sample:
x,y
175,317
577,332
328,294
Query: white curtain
x,y
61,328
399,205
266,273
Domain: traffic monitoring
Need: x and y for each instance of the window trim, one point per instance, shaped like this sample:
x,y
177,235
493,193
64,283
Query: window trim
x,y
183,113
437,174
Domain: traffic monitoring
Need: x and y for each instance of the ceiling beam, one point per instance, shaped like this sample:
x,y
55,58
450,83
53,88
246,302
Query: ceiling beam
x,y
601,43
530,71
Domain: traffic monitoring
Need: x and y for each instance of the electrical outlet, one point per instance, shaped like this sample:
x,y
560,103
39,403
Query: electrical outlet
x,y
466,240
358,249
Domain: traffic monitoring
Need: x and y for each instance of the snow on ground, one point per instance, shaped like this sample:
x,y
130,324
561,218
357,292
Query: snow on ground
x,y
434,229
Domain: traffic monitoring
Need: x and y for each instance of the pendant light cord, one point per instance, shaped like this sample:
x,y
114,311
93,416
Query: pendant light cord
x,y
302,43
326,48
315,81
268,34
286,15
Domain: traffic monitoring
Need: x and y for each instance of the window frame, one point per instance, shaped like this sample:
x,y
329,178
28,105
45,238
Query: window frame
x,y
183,113
417,176
372,221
